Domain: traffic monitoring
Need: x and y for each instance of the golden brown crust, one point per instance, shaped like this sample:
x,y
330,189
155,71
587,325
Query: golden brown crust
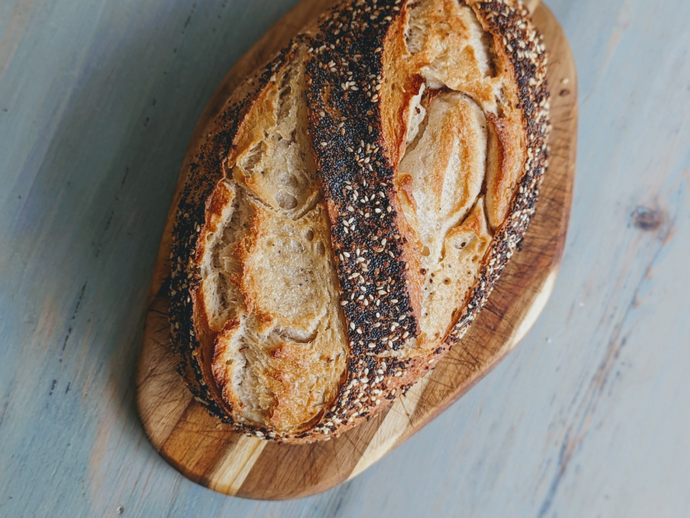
x,y
205,174
367,71
507,159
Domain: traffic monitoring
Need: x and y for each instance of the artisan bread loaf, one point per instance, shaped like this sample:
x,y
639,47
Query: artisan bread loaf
x,y
351,208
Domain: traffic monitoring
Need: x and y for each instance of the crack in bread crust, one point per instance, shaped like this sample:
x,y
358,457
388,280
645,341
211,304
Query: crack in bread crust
x,y
377,116
266,307
199,193
360,99
525,49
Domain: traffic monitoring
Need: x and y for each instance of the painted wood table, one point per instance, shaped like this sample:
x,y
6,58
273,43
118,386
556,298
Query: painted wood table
x,y
98,100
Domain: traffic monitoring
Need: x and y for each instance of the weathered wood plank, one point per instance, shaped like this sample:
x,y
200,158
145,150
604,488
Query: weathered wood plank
x,y
585,418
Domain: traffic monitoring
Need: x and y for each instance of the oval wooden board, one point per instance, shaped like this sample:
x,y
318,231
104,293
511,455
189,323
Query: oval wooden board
x,y
208,452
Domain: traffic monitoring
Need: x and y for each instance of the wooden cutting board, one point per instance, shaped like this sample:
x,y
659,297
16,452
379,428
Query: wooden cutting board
x,y
208,452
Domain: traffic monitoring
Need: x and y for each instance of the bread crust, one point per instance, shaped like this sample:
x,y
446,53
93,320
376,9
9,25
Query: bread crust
x,y
359,94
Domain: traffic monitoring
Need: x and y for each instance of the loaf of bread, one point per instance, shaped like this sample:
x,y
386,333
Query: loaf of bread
x,y
351,208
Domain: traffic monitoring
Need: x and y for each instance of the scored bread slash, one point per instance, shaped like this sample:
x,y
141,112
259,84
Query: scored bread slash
x,y
351,209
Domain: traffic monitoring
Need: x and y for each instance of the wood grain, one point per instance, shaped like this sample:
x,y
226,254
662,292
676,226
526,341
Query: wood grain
x,y
210,453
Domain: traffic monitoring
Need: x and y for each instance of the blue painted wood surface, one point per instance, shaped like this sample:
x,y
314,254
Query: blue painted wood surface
x,y
587,418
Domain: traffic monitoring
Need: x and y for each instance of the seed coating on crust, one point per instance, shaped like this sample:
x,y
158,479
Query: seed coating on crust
x,y
344,78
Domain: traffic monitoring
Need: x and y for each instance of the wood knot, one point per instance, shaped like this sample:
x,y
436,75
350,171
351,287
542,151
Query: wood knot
x,y
647,219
